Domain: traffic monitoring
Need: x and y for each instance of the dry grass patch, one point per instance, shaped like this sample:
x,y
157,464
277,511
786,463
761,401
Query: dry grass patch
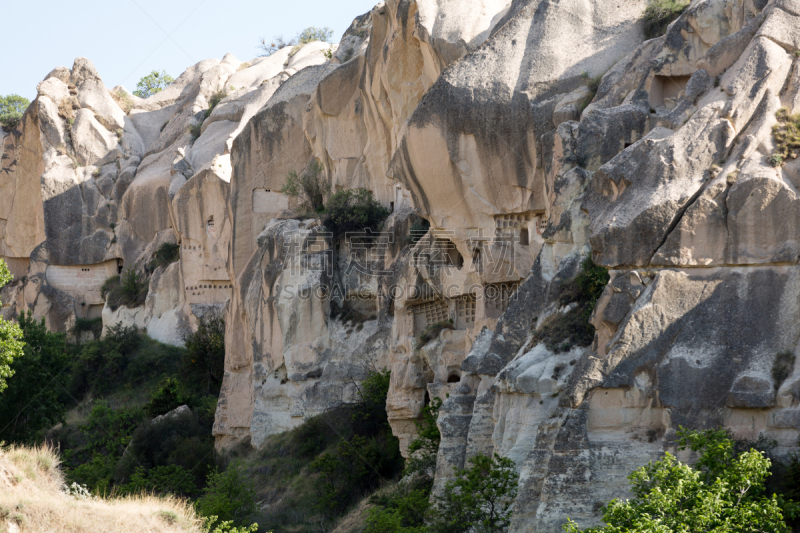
x,y
33,498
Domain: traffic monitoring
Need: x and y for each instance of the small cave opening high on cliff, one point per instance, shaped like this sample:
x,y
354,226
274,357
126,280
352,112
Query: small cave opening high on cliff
x,y
665,90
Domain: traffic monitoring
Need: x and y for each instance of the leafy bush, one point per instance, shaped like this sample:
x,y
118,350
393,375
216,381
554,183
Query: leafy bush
x,y
181,439
479,499
215,99
171,479
229,496
204,359
369,413
165,255
12,107
401,510
195,130
212,524
722,491
98,366
354,210
35,399
82,325
128,290
11,344
101,441
308,35
165,399
786,134
404,508
313,33
431,332
561,331
417,230
659,14
310,188
358,465
153,83
593,84
123,100
423,449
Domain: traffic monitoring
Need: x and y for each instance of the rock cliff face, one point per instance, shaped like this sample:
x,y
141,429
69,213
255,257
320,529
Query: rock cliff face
x,y
477,125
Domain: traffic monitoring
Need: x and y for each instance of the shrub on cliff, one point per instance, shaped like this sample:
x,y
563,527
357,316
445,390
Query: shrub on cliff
x,y
129,290
310,34
204,359
165,255
561,331
153,83
11,109
723,491
354,210
659,14
310,188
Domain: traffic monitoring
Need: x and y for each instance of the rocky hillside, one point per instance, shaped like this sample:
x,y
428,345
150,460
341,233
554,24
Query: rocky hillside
x,y
509,141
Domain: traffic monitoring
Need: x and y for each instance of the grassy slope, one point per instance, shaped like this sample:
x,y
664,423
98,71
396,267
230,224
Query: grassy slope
x,y
32,499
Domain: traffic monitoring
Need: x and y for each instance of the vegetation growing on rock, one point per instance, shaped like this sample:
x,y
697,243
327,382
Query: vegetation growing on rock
x,y
128,289
782,367
215,99
723,491
12,107
659,14
153,83
310,34
166,254
354,210
11,344
109,406
563,330
431,332
786,134
310,188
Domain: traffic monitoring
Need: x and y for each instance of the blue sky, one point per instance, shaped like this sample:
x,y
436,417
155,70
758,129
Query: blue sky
x,y
126,39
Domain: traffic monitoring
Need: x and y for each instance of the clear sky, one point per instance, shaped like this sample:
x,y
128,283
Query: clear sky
x,y
126,39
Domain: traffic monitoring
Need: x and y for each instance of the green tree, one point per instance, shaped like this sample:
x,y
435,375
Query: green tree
x,y
722,492
167,397
204,359
422,450
35,399
11,109
228,496
479,499
354,210
11,345
153,83
310,188
404,509
312,33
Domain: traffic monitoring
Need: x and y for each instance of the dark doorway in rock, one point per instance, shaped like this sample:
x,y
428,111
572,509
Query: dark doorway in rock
x,y
454,378
523,237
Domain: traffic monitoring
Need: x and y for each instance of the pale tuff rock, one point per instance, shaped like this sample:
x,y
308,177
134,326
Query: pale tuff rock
x,y
478,117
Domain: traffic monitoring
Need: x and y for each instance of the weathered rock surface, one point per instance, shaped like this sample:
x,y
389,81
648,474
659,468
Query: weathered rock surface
x,y
477,116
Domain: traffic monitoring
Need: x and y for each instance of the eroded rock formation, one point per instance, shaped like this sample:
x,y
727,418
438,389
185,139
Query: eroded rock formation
x,y
475,124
